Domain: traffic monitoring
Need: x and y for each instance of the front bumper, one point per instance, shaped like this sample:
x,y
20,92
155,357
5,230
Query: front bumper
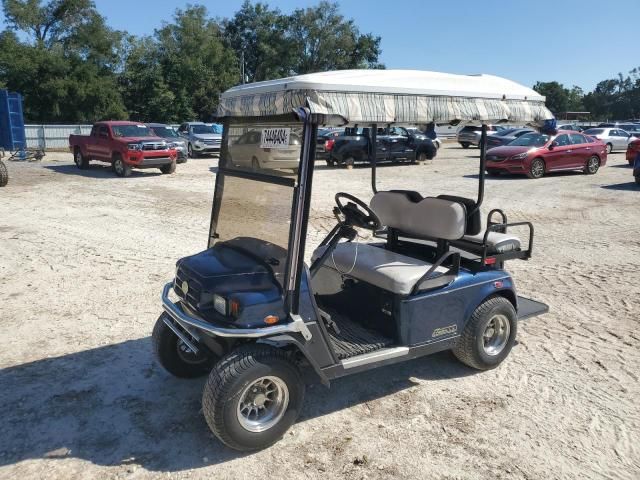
x,y
148,159
188,321
509,166
206,148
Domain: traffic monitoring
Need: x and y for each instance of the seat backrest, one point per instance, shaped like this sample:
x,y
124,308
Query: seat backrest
x,y
474,220
427,218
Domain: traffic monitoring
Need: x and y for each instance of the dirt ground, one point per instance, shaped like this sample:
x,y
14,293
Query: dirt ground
x,y
84,256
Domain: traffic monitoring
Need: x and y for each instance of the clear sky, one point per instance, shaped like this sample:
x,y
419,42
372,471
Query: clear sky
x,y
576,42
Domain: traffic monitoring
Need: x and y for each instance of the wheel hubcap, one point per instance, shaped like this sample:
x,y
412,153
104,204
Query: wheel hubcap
x,y
537,169
593,164
118,166
496,335
262,404
187,356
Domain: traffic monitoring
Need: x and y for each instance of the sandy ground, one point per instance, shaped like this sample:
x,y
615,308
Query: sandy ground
x,y
83,258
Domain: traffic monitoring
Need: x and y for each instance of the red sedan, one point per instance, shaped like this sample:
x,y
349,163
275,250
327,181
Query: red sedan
x,y
535,154
633,149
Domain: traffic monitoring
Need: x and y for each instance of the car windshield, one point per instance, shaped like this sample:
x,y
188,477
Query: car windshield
x,y
131,131
532,139
207,129
470,128
594,131
165,132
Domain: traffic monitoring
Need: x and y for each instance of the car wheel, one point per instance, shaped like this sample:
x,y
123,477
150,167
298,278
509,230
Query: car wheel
x,y
536,169
637,180
609,148
255,164
421,157
493,173
465,144
330,162
168,169
175,357
4,174
191,153
79,159
592,166
349,162
489,335
121,168
252,397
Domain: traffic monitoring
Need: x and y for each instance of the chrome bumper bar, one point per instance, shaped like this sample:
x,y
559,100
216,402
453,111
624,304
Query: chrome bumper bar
x,y
176,312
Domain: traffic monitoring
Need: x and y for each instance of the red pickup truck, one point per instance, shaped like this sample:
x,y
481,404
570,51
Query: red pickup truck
x,y
126,145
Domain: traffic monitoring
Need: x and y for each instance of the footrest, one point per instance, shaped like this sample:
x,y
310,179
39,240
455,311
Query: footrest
x,y
528,308
354,339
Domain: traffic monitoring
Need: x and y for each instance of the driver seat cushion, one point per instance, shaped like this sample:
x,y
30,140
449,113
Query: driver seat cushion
x,y
377,266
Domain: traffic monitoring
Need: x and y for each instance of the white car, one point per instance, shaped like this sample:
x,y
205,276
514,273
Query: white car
x,y
613,138
247,152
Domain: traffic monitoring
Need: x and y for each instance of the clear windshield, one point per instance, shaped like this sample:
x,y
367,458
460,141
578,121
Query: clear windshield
x,y
165,132
594,131
206,129
530,140
131,131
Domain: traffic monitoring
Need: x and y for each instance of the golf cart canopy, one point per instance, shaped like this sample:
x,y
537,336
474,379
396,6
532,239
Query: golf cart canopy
x,y
366,97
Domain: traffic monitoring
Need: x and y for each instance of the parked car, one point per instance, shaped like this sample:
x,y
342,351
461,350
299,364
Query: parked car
x,y
201,137
126,145
434,138
570,126
535,154
632,128
325,140
636,169
470,134
613,138
633,149
173,139
393,144
506,136
247,152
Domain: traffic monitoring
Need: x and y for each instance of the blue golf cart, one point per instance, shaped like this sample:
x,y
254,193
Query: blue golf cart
x,y
263,303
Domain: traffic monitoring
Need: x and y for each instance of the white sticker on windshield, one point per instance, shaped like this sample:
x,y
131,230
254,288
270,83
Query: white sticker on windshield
x,y
275,138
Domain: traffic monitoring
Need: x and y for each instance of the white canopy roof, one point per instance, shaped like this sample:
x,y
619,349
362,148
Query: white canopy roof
x,y
389,96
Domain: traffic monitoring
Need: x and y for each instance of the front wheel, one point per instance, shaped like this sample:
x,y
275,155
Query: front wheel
x,y
121,168
637,180
349,162
4,174
175,357
536,170
252,397
592,166
167,169
421,157
489,335
191,153
609,148
464,144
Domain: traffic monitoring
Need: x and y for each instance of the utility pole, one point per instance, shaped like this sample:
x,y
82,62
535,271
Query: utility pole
x,y
242,67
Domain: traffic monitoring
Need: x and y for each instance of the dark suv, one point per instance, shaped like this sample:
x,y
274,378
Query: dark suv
x,y
393,144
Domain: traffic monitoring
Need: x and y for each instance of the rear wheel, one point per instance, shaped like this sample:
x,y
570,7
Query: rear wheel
x,y
489,335
465,144
349,162
592,166
637,180
609,147
330,162
4,174
175,357
252,397
493,173
121,168
79,159
536,169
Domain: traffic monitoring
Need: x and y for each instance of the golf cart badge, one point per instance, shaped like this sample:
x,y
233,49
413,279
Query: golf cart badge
x,y
439,332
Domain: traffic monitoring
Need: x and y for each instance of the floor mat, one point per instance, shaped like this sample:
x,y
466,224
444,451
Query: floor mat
x,y
354,339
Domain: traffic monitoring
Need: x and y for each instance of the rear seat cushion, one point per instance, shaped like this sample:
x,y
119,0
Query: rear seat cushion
x,y
496,241
380,267
426,218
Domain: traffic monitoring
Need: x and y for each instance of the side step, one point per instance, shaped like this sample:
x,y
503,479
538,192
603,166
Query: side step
x,y
528,308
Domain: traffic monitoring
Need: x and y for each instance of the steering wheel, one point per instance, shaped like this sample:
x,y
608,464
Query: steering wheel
x,y
357,213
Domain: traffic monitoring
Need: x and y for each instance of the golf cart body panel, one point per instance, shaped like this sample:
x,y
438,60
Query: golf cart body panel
x,y
430,275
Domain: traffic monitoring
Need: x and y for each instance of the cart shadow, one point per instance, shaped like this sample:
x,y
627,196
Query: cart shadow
x,y
114,405
99,171
627,186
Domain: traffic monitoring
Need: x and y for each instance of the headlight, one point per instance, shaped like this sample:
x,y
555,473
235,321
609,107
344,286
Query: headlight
x,y
520,156
220,304
134,146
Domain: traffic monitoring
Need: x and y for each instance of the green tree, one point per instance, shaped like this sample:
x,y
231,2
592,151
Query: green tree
x,y
323,40
196,64
557,96
258,34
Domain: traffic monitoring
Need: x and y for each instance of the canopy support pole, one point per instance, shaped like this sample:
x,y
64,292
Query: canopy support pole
x,y
373,155
483,160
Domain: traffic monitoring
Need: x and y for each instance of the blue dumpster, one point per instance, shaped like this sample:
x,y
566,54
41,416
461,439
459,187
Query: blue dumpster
x,y
12,135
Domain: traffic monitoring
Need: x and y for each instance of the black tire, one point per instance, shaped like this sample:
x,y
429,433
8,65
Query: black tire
x,y
637,181
79,159
609,148
421,157
182,160
121,168
168,169
493,173
464,144
592,166
4,174
232,376
536,169
330,162
174,357
349,162
470,348
191,153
